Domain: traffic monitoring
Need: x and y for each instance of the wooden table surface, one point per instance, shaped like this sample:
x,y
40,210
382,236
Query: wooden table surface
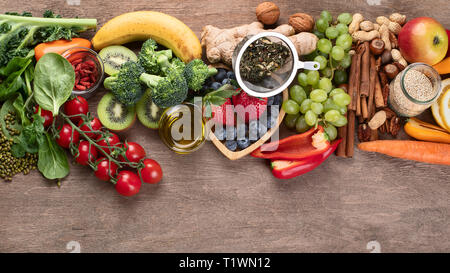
x,y
207,203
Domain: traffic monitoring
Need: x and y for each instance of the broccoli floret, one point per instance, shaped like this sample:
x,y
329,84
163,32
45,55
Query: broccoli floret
x,y
167,91
125,85
196,72
151,60
20,33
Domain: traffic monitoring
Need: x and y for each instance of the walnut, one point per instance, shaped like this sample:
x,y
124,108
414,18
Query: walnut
x,y
364,133
301,22
267,13
394,126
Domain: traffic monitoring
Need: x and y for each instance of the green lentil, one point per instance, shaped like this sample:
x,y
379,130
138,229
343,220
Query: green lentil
x,y
10,165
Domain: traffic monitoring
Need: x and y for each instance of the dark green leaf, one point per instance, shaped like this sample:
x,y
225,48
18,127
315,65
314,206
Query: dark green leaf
x,y
52,159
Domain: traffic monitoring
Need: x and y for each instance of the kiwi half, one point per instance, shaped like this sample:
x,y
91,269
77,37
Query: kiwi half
x,y
114,115
148,112
114,57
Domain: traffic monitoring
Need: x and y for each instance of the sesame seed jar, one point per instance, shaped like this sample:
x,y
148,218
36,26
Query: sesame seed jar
x,y
414,89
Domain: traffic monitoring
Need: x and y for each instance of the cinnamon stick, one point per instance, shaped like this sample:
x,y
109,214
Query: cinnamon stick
x,y
351,83
372,78
350,134
364,110
358,105
379,101
342,133
365,69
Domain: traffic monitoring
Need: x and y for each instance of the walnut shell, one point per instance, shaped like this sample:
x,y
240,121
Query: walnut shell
x,y
301,22
267,13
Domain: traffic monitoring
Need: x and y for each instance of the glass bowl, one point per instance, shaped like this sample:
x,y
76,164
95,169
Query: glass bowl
x,y
73,55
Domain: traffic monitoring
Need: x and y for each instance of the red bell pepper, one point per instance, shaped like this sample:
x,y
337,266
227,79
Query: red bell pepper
x,y
311,143
285,169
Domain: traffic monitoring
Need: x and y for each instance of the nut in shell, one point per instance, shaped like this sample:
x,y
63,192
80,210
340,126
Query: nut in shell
x,y
267,13
301,22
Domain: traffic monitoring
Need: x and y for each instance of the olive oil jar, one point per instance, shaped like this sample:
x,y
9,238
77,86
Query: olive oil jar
x,y
182,128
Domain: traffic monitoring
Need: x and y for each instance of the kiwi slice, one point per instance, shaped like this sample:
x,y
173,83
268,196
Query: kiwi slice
x,y
114,56
114,115
148,112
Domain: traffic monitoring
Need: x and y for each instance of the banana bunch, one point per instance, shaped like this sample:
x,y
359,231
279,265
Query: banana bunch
x,y
142,25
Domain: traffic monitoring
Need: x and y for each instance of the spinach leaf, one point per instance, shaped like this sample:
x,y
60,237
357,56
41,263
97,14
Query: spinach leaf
x,y
54,79
13,75
52,159
8,107
20,110
30,138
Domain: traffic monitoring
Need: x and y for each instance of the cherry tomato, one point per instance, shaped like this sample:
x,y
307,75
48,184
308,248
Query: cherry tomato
x,y
47,115
112,140
152,172
134,152
105,169
76,106
128,183
96,125
86,153
65,136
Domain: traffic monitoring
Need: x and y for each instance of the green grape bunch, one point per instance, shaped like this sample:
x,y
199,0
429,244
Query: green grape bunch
x,y
316,100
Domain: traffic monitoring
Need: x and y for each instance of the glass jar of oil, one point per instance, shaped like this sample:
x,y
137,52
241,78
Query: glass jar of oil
x,y
182,128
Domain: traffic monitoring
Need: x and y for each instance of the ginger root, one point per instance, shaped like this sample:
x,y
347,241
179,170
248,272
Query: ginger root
x,y
220,43
304,42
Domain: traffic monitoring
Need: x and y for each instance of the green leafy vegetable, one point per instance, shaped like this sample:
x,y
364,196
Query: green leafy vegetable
x,y
16,76
52,160
54,79
29,139
20,110
19,33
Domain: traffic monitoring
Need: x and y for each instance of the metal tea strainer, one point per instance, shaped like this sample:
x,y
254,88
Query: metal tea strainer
x,y
279,79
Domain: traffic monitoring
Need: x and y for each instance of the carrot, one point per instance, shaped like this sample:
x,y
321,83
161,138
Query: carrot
x,y
443,67
59,46
429,152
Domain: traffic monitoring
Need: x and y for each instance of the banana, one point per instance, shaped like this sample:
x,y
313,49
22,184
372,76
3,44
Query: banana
x,y
142,25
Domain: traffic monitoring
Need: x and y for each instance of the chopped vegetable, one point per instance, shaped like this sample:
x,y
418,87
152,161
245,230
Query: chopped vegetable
x,y
429,152
19,33
286,169
167,91
151,60
196,72
311,143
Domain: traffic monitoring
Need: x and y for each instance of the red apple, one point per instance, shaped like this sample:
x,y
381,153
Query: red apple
x,y
423,39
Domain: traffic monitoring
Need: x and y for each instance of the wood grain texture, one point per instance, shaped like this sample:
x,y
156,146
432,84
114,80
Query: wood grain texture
x,y
207,203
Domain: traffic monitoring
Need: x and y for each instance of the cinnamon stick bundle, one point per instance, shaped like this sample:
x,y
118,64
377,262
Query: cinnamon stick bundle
x,y
364,110
342,133
352,82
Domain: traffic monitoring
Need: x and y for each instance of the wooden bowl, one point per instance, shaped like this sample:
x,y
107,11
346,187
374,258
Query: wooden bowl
x,y
239,154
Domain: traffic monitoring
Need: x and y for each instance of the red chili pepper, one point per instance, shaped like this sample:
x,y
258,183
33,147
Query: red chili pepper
x,y
286,169
296,147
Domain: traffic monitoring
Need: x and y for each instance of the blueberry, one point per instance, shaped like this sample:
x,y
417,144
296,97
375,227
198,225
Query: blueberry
x,y
231,76
231,145
220,132
231,133
253,130
278,100
216,85
221,74
243,143
241,131
271,121
262,130
226,81
270,100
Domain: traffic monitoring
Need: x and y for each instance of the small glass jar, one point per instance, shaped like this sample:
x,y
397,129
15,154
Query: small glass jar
x,y
414,89
182,128
86,55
